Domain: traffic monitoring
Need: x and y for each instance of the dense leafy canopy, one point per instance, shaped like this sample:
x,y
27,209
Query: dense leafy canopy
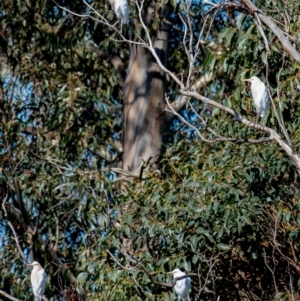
x,y
226,211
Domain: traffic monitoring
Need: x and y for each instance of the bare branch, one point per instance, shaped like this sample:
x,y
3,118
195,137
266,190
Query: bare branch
x,y
122,266
272,271
181,100
150,274
124,172
3,204
279,115
218,137
101,19
260,28
17,241
6,295
55,247
31,130
286,44
273,135
141,289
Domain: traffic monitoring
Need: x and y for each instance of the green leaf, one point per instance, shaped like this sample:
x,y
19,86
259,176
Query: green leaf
x,y
223,247
82,277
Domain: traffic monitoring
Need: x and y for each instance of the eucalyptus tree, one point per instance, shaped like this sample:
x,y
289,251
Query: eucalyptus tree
x,y
219,47
127,154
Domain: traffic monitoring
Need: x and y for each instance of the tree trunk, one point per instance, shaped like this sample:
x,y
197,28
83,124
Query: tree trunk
x,y
144,118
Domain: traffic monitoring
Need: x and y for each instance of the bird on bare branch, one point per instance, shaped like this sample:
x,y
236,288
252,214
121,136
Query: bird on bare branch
x,y
182,286
121,9
260,96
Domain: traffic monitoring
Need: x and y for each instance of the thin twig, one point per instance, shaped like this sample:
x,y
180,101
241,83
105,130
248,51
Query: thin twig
x,y
17,241
150,274
219,137
119,264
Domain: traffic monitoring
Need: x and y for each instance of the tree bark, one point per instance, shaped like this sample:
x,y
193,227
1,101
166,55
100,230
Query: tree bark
x,y
144,118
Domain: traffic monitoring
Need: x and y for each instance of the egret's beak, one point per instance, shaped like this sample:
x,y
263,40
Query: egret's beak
x,y
246,80
30,264
170,273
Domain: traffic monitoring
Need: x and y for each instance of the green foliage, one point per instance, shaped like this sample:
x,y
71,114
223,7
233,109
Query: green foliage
x,y
214,212
228,212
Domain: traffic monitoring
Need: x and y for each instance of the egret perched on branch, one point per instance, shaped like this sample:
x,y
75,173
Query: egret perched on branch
x,y
182,286
38,280
121,9
260,95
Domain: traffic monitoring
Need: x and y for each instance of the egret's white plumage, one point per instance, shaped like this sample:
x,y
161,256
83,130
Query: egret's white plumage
x,y
182,286
260,95
121,9
38,280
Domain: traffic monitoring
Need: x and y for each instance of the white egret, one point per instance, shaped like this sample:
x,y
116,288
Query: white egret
x,y
121,9
260,95
38,280
182,286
